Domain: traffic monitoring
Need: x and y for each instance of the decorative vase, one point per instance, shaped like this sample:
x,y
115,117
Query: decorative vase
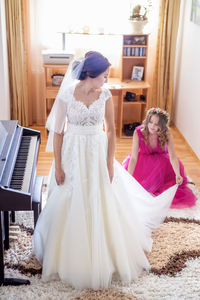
x,y
138,26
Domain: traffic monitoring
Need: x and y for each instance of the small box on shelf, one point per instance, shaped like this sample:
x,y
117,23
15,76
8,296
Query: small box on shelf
x,y
130,128
130,97
57,79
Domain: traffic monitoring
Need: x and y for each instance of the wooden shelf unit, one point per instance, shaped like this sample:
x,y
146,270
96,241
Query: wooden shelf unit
x,y
134,53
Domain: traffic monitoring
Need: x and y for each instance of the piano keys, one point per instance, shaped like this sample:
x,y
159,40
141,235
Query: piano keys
x,y
23,166
18,160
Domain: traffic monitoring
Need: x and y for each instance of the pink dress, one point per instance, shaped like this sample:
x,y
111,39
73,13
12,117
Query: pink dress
x,y
154,172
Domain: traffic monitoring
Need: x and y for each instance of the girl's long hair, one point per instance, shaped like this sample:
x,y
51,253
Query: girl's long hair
x,y
163,129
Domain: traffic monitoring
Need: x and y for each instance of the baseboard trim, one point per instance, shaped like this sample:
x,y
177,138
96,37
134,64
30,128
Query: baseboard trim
x,y
174,126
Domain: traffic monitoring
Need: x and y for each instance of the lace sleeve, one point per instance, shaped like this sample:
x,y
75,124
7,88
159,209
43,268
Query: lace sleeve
x,y
107,94
57,118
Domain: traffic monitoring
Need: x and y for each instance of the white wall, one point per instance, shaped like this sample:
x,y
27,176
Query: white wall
x,y
187,81
4,81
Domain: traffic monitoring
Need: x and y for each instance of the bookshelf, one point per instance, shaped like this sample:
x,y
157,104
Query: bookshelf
x,y
134,54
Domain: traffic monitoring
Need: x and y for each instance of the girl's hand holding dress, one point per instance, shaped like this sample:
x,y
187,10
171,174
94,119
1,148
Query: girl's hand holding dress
x,y
179,179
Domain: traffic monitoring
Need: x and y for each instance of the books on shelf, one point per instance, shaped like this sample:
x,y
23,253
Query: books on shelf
x,y
135,51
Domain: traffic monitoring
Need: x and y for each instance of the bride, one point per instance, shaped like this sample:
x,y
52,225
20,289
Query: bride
x,y
98,219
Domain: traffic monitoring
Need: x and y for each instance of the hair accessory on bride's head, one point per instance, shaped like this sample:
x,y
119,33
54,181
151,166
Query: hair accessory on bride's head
x,y
160,112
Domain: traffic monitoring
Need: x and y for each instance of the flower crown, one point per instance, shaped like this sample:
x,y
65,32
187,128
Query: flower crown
x,y
159,111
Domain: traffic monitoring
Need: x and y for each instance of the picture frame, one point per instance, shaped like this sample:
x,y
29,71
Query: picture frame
x,y
139,40
137,73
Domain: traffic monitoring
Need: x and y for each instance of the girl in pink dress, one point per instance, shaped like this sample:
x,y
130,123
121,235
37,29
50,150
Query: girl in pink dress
x,y
153,162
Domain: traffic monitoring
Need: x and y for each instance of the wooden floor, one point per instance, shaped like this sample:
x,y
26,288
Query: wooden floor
x,y
123,147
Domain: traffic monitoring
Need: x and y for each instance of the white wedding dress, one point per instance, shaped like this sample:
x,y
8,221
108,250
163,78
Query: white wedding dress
x,y
89,228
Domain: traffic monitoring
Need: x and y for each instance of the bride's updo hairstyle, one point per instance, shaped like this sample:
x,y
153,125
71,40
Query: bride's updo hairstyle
x,y
95,64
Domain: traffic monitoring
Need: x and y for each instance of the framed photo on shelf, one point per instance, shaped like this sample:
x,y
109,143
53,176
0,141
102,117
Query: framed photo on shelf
x,y
137,73
139,40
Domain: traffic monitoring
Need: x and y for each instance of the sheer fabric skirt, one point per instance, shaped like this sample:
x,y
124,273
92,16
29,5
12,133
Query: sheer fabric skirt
x,y
155,173
89,228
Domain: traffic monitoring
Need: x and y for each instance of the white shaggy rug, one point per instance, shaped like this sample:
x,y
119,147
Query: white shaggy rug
x,y
175,262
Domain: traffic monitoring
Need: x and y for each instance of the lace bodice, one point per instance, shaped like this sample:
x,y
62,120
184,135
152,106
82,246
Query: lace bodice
x,y
79,114
67,110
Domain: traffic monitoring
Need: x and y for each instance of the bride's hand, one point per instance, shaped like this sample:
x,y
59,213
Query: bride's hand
x,y
60,176
110,170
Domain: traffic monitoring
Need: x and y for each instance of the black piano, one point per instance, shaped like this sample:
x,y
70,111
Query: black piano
x,y
19,147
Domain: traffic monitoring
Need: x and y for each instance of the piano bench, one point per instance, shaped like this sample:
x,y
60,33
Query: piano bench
x,y
37,198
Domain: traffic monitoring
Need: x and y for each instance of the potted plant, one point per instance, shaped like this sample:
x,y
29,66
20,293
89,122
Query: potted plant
x,y
138,17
